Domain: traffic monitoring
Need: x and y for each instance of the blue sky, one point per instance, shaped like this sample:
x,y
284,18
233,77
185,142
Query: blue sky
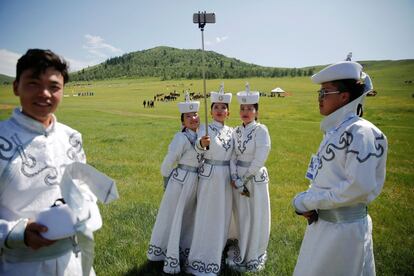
x,y
294,33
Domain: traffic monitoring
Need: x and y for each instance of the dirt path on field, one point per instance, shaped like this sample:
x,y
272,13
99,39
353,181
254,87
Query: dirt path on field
x,y
133,114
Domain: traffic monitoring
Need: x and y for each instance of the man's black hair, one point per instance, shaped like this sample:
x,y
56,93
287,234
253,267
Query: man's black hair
x,y
39,60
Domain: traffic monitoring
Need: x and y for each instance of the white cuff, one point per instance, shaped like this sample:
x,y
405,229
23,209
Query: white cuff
x,y
246,178
198,145
15,238
298,204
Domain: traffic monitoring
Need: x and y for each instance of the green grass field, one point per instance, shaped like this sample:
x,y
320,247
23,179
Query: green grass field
x,y
128,143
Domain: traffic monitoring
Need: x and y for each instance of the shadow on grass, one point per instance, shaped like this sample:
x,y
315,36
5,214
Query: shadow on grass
x,y
155,269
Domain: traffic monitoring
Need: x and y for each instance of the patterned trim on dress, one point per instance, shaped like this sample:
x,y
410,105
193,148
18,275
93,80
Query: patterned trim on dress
x,y
200,157
264,177
252,265
257,264
345,140
30,166
202,267
202,170
224,136
175,173
76,146
242,146
156,251
6,146
173,263
191,139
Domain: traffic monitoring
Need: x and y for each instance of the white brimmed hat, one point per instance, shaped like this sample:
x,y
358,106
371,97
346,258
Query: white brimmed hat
x,y
221,97
339,71
248,97
344,70
188,106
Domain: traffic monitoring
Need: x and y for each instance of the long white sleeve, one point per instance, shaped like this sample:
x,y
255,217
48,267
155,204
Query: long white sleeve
x,y
175,150
263,144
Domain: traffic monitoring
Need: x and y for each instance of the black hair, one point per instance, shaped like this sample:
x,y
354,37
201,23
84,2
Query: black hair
x,y
227,105
355,88
256,106
182,121
40,60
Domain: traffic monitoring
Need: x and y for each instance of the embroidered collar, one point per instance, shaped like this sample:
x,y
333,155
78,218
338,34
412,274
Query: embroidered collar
x,y
32,125
217,124
250,125
337,117
191,135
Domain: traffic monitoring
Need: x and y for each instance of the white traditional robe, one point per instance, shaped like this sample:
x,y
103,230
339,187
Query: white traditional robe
x,y
32,161
247,250
213,204
351,171
173,229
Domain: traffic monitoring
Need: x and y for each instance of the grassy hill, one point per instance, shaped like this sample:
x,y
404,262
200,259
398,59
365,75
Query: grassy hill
x,y
5,79
171,63
167,63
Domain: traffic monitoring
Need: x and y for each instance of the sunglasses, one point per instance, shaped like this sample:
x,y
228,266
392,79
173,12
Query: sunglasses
x,y
323,92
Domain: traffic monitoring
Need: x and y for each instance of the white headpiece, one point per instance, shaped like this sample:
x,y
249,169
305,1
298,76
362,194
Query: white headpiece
x,y
339,71
188,106
221,97
248,97
344,70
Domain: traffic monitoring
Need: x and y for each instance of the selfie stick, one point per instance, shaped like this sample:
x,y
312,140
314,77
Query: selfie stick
x,y
201,18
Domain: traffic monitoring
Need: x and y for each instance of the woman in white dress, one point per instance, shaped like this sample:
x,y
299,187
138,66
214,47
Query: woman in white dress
x,y
172,233
346,174
251,206
214,192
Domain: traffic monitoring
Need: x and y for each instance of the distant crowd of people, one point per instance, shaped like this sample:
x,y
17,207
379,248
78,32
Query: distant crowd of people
x,y
148,103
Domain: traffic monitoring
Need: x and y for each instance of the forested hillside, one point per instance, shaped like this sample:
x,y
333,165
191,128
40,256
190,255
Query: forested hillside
x,y
171,63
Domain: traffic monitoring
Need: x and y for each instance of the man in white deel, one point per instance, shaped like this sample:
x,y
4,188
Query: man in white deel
x,y
346,174
42,162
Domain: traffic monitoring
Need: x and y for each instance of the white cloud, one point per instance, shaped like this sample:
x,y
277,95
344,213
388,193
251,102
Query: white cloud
x,y
98,52
97,47
217,40
8,62
221,39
